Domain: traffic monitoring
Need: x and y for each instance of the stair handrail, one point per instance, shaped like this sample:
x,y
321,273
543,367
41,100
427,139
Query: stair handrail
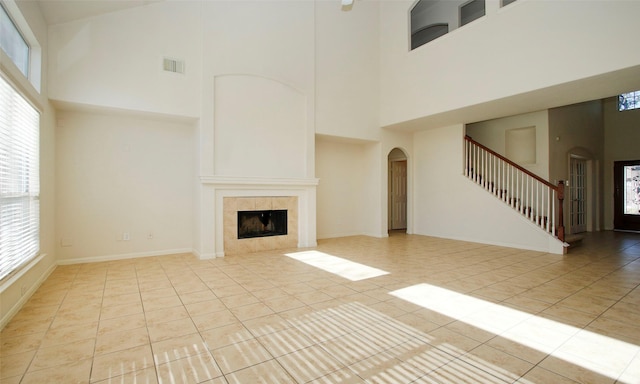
x,y
559,189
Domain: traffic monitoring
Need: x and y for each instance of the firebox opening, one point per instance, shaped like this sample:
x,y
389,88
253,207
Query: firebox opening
x,y
262,223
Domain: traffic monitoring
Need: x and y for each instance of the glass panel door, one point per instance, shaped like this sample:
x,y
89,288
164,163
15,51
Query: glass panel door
x,y
631,192
626,178
578,189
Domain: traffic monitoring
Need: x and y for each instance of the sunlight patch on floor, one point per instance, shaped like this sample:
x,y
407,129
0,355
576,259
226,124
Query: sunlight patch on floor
x,y
337,265
601,354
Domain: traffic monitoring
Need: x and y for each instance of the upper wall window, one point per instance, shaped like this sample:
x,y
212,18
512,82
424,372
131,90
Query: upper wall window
x,y
13,43
504,3
428,33
627,101
431,19
471,11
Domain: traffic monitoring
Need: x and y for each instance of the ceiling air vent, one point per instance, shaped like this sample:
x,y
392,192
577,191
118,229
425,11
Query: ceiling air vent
x,y
173,65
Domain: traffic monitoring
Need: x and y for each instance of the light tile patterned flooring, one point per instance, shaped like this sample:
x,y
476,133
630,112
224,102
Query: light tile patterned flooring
x,y
446,312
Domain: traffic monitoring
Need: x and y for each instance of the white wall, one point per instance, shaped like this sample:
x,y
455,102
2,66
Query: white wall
x,y
449,205
492,134
347,70
115,60
504,54
621,137
121,173
341,168
268,39
260,128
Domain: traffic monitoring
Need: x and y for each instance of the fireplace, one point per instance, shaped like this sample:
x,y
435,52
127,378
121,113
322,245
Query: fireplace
x,y
262,223
259,223
223,197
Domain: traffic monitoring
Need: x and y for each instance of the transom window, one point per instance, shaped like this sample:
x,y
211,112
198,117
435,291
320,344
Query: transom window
x,y
630,100
13,43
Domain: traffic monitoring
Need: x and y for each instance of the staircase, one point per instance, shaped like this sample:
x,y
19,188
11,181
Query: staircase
x,y
533,197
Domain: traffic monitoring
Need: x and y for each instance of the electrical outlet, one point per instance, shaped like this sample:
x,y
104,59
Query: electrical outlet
x,y
126,236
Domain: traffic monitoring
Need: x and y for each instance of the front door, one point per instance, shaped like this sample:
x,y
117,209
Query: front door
x,y
578,195
626,199
398,194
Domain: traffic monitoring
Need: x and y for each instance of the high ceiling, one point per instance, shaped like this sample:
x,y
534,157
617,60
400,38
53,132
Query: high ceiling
x,y
62,11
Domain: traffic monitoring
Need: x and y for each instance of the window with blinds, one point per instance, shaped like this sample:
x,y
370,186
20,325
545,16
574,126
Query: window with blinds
x,y
19,180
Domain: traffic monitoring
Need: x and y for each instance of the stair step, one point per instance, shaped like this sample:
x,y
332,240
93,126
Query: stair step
x,y
574,240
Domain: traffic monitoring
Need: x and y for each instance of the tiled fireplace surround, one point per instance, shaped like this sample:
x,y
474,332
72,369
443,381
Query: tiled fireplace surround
x,y
230,195
231,206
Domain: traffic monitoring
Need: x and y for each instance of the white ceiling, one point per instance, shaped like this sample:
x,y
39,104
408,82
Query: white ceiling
x,y
62,11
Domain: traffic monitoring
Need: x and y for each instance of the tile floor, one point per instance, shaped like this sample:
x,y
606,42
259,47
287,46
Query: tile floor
x,y
406,309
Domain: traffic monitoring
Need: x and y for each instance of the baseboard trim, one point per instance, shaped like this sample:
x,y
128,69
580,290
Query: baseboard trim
x,y
205,256
124,256
23,300
340,234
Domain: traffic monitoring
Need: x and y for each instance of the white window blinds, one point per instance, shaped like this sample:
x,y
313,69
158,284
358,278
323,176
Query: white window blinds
x,y
19,180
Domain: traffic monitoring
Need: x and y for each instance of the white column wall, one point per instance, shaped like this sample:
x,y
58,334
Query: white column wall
x,y
266,45
347,70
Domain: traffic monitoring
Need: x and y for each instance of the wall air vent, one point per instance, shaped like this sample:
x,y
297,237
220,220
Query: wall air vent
x,y
173,65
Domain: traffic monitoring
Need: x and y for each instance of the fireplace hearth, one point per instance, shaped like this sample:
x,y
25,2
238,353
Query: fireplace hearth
x,y
262,223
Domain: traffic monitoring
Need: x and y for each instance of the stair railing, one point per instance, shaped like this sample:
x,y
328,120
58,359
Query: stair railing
x,y
535,198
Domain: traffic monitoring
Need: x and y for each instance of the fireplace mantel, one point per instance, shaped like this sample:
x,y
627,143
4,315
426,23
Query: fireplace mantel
x,y
257,181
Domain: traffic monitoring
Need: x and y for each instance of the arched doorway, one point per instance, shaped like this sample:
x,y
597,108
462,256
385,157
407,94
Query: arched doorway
x,y
397,190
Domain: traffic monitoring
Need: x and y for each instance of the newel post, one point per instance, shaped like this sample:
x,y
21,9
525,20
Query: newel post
x,y
560,210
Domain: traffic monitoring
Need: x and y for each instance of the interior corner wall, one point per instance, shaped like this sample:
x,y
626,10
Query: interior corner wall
x,y
120,174
340,195
492,134
621,137
449,205
374,191
578,129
